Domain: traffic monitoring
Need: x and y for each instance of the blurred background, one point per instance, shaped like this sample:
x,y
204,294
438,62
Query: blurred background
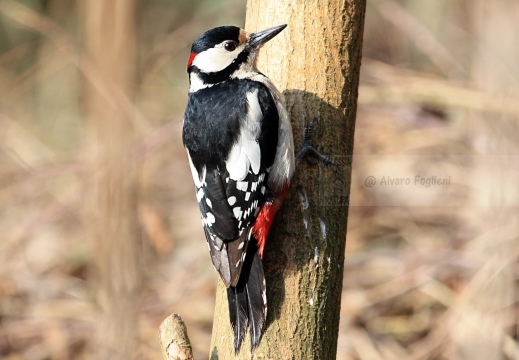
x,y
92,95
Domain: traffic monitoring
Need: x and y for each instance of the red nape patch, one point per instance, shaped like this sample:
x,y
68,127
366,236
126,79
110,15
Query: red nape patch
x,y
261,227
191,58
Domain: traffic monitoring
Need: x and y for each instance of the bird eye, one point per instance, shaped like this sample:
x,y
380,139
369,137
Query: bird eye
x,y
230,46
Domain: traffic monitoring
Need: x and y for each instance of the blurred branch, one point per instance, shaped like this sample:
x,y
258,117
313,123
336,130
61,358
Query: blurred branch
x,y
41,69
172,43
71,198
110,38
399,87
461,309
105,86
423,39
174,341
364,346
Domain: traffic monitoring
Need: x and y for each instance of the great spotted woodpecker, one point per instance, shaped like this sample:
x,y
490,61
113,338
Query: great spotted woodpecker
x,y
240,147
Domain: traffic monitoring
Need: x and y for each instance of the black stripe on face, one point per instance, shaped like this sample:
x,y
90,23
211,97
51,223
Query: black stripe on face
x,y
222,75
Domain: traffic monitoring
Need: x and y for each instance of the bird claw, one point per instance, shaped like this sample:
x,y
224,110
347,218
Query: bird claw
x,y
308,151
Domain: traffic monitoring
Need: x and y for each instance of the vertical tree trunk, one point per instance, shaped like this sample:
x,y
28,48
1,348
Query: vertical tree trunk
x,y
315,62
109,31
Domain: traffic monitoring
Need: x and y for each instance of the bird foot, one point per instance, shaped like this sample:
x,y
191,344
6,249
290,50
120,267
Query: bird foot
x,y
308,151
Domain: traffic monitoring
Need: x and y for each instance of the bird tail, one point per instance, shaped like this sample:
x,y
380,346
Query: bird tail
x,y
248,301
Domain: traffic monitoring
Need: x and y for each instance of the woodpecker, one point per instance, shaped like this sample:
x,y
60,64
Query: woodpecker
x,y
240,148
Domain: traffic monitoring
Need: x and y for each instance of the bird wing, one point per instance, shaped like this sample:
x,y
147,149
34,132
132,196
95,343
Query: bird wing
x,y
231,194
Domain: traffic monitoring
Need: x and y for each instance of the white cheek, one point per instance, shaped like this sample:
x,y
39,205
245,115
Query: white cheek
x,y
215,59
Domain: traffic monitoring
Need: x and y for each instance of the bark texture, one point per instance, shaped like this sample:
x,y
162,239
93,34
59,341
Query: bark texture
x,y
315,62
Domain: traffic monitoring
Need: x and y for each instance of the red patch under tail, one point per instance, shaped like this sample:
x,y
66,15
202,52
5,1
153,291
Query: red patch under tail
x,y
261,227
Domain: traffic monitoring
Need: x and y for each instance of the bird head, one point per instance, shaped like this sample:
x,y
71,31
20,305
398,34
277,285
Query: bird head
x,y
225,52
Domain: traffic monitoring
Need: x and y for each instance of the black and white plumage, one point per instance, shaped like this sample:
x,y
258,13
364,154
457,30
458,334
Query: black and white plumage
x,y
240,148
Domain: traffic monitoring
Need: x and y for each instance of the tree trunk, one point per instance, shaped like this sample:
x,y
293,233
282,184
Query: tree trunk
x,y
109,31
315,62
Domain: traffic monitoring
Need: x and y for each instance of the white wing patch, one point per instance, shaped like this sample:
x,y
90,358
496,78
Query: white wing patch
x,y
199,181
246,152
283,166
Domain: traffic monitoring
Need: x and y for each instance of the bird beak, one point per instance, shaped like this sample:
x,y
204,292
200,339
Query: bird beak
x,y
260,38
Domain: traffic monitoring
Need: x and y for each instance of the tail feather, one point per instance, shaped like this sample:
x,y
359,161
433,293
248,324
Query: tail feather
x,y
238,313
248,302
257,299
